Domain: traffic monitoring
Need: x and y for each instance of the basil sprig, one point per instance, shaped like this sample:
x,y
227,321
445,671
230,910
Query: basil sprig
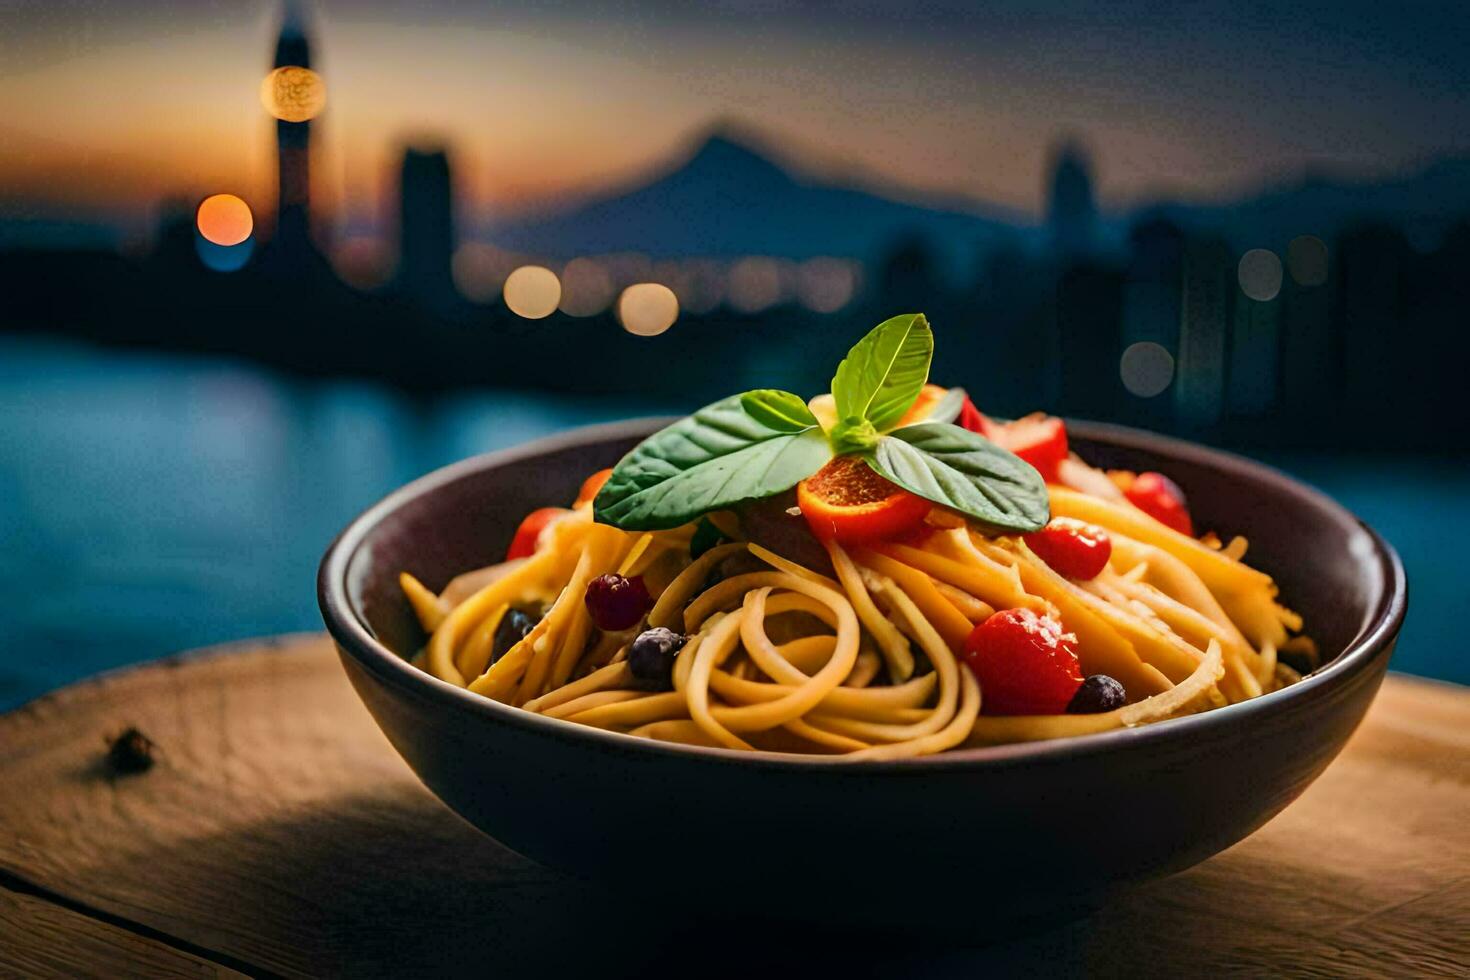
x,y
763,442
720,456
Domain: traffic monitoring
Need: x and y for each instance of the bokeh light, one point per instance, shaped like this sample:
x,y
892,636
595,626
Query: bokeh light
x,y
754,284
223,258
626,268
647,309
480,270
1306,260
825,285
224,219
1259,273
586,288
293,94
532,291
702,287
1146,369
362,261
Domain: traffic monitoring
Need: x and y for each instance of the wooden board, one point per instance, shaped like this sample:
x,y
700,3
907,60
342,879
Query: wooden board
x,y
278,833
45,939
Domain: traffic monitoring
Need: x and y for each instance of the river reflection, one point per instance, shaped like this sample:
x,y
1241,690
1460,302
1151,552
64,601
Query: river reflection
x,y
149,504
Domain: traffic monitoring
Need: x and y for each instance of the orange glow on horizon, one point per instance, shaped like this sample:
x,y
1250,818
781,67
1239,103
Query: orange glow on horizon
x,y
224,219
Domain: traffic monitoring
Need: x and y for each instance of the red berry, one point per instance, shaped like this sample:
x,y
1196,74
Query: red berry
x,y
1074,549
1160,498
1025,664
617,603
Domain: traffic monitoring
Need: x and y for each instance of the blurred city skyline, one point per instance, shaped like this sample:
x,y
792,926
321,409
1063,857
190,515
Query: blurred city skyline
x,y
223,332
110,110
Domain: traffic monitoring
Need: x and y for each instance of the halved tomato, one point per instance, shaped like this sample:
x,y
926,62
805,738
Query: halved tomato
x,y
1160,498
523,545
848,502
591,486
929,398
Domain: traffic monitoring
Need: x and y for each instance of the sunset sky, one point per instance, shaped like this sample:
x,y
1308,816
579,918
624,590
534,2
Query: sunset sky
x,y
106,108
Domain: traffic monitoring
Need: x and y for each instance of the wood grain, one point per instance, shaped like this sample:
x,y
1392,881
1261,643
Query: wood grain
x,y
278,832
43,939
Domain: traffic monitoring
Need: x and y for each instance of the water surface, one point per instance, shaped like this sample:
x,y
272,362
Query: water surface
x,y
149,504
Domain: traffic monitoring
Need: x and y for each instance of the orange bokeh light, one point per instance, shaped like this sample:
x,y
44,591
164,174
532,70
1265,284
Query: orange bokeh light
x,y
224,219
293,94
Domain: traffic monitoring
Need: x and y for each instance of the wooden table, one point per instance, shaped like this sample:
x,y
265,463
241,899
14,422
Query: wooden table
x,y
278,833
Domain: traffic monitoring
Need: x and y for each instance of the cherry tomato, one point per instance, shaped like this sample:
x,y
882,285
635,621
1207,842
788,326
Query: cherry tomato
x,y
524,543
1160,498
1025,664
847,501
591,486
1073,548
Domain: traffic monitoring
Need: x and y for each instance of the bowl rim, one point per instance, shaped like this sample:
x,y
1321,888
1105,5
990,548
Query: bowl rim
x,y
355,639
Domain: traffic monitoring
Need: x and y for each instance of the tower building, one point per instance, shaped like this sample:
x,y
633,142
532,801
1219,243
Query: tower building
x,y
426,237
293,238
1071,210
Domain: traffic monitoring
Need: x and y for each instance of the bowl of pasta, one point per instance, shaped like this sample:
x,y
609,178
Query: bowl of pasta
x,y
867,644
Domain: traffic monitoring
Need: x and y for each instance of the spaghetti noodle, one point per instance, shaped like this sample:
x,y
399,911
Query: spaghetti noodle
x,y
867,661
879,611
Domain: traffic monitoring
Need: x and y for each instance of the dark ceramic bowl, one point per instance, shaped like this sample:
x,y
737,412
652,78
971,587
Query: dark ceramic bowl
x,y
999,833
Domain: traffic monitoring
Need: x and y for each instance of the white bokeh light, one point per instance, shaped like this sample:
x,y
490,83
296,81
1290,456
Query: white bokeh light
x,y
1146,369
586,288
754,284
1259,273
647,309
825,285
532,291
702,287
479,270
1306,260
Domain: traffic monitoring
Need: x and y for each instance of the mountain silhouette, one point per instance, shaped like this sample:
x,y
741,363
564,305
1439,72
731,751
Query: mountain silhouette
x,y
732,196
729,197
1425,203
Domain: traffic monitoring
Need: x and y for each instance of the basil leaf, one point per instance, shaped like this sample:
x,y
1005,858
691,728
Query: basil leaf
x,y
706,536
853,438
964,471
882,375
780,410
718,457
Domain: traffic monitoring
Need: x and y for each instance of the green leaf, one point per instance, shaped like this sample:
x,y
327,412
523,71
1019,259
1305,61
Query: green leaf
x,y
779,410
964,471
851,437
882,375
718,457
705,537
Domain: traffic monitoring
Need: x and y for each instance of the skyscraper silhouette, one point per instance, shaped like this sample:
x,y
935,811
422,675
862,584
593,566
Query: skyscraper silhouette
x,y
1071,211
426,228
292,244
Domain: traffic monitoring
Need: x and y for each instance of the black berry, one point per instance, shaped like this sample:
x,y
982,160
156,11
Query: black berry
x,y
1098,692
651,657
617,603
512,629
